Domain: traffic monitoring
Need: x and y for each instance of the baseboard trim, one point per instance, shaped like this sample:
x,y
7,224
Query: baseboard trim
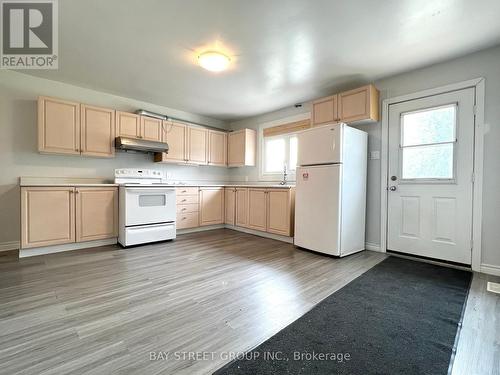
x,y
261,234
8,246
24,253
372,246
490,269
200,229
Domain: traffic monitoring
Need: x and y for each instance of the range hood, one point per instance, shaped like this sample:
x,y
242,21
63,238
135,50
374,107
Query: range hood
x,y
126,143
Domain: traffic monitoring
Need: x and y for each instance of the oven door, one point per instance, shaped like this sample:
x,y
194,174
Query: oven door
x,y
149,205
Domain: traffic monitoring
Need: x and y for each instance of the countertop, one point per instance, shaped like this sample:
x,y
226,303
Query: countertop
x,y
101,182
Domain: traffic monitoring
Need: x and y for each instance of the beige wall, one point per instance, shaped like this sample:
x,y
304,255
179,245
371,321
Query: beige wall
x,y
480,64
18,148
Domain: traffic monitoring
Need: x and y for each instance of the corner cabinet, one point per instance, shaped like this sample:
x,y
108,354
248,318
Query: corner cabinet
x,y
360,105
62,215
242,148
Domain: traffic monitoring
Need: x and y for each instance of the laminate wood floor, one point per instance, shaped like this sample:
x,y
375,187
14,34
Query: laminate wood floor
x,y
104,310
199,298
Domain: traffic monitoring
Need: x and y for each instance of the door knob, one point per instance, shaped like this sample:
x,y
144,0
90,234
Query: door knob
x,y
393,188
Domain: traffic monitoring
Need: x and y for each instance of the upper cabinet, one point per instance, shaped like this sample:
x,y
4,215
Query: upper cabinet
x,y
58,126
242,148
325,110
217,148
128,125
197,145
97,131
360,104
151,129
353,106
73,128
175,135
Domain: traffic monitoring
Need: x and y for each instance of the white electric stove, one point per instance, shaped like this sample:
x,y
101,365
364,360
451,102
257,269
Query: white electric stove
x,y
146,207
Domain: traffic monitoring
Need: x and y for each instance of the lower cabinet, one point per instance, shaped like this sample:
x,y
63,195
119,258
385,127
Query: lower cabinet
x,y
96,213
257,209
187,208
268,210
62,215
211,205
229,206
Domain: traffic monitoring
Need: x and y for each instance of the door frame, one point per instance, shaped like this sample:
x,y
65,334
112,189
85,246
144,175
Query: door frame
x,y
477,200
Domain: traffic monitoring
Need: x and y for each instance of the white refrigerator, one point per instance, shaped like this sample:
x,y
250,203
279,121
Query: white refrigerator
x,y
330,201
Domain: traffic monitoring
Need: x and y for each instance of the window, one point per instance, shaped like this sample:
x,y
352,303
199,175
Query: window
x,y
428,139
279,151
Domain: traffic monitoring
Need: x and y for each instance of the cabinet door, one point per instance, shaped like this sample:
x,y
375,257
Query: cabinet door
x,y
217,148
175,136
47,216
58,126
241,218
211,206
128,125
96,213
229,205
236,149
197,145
257,209
359,104
151,129
97,131
278,211
324,110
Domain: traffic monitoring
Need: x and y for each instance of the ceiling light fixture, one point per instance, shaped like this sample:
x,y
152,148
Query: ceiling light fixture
x,y
213,61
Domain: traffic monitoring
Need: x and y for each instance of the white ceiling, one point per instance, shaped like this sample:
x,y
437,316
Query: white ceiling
x,y
283,51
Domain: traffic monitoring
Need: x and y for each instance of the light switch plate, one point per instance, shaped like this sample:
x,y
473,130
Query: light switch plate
x,y
374,155
493,287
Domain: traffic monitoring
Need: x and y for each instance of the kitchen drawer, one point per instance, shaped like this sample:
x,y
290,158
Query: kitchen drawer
x,y
186,208
187,199
187,220
187,191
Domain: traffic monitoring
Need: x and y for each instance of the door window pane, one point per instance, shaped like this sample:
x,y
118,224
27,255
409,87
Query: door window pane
x,y
434,161
293,153
435,125
275,155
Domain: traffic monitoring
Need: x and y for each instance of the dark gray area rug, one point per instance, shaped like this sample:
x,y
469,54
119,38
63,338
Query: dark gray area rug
x,y
400,317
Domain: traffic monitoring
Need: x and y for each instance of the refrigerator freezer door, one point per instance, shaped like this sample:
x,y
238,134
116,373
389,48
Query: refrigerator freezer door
x,y
320,145
317,208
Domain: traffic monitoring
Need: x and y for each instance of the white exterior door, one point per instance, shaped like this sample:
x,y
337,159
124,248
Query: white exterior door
x,y
431,145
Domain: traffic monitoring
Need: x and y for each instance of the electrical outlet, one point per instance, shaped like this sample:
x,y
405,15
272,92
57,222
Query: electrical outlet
x,y
374,155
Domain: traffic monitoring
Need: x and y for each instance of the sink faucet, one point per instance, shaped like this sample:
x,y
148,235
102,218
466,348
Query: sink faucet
x,y
283,182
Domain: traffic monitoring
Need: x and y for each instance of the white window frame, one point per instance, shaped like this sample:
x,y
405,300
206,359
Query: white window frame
x,y
263,176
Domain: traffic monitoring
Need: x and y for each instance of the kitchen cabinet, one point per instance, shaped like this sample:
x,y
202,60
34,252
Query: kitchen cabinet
x,y
47,216
280,211
359,105
187,207
325,110
58,126
96,213
211,205
257,209
97,131
197,145
217,148
241,145
229,206
241,199
151,129
175,135
128,125
354,106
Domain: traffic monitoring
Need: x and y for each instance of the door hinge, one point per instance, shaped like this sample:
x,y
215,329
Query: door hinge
x,y
471,244
473,177
474,109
